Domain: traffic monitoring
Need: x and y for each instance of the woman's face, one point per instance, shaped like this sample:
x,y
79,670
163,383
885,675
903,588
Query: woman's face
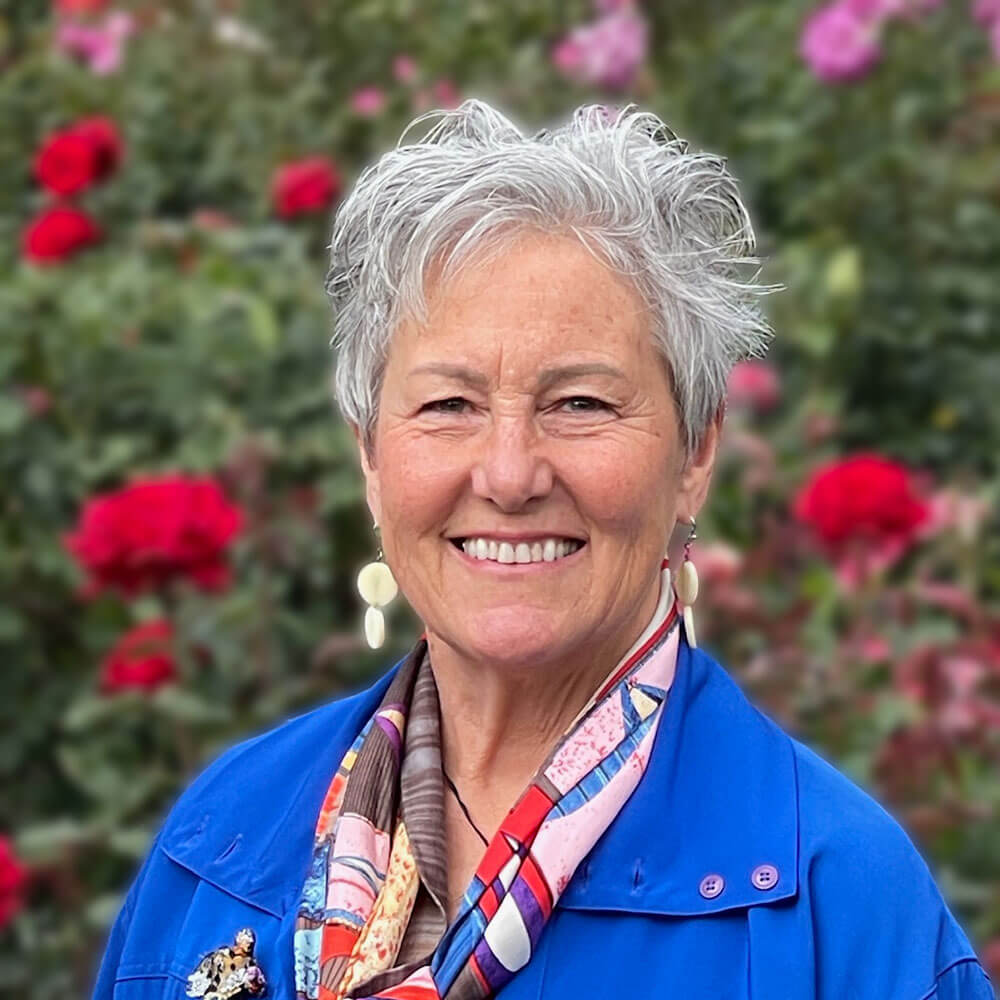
x,y
531,410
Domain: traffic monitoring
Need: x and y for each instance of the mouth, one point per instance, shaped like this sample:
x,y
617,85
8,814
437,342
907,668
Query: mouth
x,y
509,551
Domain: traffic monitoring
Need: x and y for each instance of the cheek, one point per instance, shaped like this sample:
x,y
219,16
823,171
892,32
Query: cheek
x,y
627,490
418,480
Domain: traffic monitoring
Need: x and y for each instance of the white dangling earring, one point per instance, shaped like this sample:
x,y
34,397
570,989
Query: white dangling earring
x,y
686,588
377,587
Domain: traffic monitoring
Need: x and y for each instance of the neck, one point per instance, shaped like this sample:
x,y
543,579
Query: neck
x,y
498,725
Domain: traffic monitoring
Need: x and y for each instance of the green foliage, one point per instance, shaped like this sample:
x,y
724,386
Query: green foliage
x,y
878,204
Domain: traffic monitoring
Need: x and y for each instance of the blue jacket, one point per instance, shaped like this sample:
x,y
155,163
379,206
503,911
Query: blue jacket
x,y
851,911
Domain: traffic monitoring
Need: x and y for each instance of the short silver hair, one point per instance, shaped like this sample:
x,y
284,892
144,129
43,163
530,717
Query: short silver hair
x,y
670,220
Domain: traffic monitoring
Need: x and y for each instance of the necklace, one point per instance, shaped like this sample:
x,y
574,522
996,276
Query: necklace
x,y
462,806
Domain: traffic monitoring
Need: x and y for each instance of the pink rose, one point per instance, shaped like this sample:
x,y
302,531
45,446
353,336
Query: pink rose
x,y
607,52
367,102
98,44
404,69
838,44
445,94
986,12
755,385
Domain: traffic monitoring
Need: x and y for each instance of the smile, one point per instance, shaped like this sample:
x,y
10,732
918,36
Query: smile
x,y
536,550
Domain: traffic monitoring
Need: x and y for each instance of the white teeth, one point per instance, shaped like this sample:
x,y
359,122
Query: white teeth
x,y
521,552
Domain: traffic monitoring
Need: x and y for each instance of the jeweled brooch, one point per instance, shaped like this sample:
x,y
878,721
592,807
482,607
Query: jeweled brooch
x,y
229,972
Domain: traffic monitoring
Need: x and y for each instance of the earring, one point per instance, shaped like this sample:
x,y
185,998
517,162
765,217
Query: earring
x,y
377,587
686,587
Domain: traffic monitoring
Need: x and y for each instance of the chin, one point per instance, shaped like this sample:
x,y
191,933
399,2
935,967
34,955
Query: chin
x,y
516,636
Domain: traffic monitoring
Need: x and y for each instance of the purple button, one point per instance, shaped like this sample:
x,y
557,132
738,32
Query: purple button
x,y
764,877
711,886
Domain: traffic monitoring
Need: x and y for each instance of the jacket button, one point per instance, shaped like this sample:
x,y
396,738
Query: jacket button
x,y
764,877
711,886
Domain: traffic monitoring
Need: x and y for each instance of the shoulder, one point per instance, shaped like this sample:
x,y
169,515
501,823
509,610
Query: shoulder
x,y
841,822
876,912
274,765
233,850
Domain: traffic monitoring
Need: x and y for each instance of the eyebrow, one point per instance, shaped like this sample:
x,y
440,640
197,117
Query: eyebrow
x,y
546,378
552,376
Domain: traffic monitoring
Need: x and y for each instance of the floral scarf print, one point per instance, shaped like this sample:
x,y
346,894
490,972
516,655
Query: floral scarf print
x,y
363,879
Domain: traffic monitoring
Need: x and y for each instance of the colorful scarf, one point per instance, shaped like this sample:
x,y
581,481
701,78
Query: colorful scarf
x,y
363,879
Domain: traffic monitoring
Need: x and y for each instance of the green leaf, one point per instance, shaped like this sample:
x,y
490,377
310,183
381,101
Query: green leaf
x,y
88,711
132,842
100,912
12,414
45,843
843,273
184,706
11,626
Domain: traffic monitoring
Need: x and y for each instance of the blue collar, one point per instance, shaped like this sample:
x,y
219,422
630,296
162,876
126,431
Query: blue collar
x,y
719,798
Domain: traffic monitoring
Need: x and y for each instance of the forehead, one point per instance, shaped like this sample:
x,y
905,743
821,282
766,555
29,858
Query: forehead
x,y
536,298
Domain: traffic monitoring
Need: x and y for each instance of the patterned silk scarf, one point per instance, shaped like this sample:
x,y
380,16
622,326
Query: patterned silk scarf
x,y
363,880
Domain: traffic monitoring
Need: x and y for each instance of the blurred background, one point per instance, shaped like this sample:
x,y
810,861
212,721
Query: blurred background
x,y
181,512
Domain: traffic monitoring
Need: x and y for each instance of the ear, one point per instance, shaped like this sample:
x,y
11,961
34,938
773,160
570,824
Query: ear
x,y
697,474
373,492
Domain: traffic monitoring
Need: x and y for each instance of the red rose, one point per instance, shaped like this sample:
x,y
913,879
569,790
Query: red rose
x,y
867,497
66,163
103,134
305,186
13,882
142,658
156,530
58,233
77,157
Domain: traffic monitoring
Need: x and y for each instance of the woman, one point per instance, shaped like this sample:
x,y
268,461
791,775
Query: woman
x,y
555,793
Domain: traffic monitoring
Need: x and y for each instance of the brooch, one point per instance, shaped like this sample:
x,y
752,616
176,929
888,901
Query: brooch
x,y
228,972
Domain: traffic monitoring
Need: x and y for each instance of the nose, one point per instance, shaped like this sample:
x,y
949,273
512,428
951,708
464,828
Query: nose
x,y
510,470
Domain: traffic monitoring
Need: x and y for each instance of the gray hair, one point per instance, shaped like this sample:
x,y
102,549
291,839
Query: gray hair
x,y
670,220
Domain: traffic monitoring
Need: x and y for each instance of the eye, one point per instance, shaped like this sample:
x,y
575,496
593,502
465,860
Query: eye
x,y
453,404
583,404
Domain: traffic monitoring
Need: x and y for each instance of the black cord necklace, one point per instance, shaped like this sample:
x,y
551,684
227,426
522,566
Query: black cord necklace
x,y
462,806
